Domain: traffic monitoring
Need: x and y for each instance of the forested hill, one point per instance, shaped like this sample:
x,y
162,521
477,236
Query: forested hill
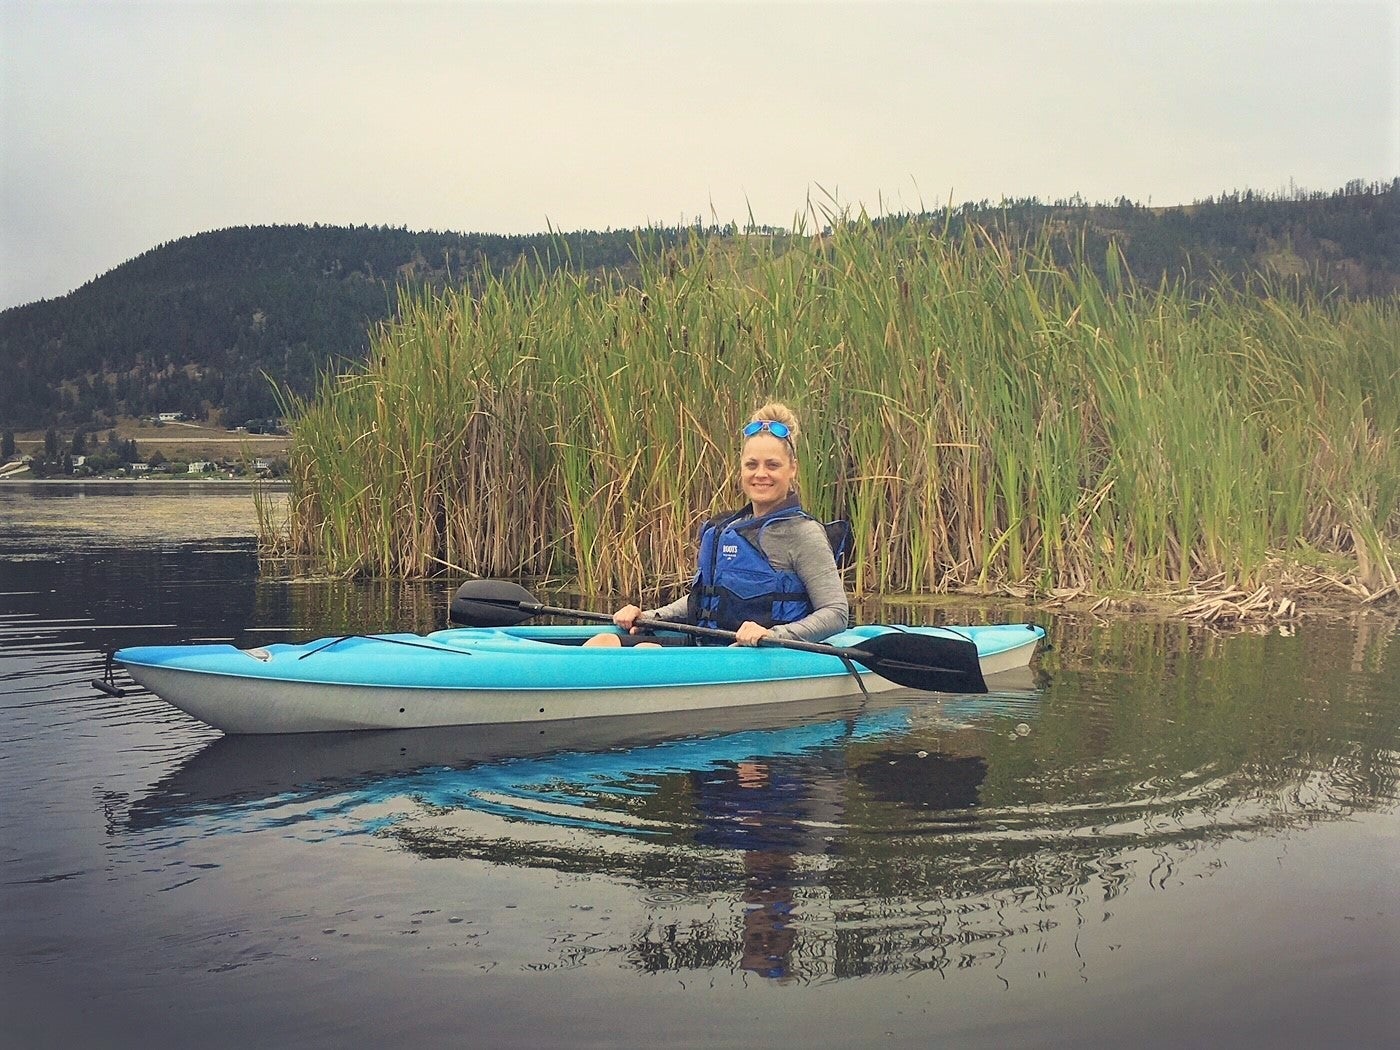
x,y
197,325
1347,242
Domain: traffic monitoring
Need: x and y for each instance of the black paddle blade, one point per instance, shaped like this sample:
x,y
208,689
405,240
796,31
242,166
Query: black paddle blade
x,y
490,603
921,661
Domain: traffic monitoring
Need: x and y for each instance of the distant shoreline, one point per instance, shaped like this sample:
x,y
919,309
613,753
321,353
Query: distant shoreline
x,y
153,483
188,441
237,439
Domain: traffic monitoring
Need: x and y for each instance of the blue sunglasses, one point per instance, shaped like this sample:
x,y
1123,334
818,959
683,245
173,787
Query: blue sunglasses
x,y
778,430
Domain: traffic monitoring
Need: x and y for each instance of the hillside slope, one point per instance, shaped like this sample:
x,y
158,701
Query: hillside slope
x,y
204,324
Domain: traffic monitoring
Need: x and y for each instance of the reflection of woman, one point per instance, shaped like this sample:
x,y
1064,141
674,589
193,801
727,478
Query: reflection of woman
x,y
767,568
770,918
761,810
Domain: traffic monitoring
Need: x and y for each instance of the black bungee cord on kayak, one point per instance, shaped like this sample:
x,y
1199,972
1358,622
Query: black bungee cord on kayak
x,y
382,638
108,682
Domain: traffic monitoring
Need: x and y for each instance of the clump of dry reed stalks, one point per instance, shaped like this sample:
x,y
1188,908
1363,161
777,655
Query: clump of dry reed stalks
x,y
985,418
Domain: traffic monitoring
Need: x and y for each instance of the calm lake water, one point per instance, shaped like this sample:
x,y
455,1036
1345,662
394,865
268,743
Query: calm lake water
x,y
1164,837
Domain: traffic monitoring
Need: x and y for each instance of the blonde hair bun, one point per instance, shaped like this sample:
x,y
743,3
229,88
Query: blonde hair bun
x,y
777,412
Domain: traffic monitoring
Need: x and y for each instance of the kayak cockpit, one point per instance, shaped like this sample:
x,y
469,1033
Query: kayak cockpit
x,y
527,638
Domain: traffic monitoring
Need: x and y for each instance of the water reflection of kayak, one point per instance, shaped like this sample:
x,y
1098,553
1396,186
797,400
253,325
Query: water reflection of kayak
x,y
232,770
445,766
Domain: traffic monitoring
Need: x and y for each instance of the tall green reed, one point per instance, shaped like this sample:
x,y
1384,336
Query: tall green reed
x,y
983,417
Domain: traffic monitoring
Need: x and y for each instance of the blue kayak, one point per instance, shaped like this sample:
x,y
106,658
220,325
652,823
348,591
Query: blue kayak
x,y
477,676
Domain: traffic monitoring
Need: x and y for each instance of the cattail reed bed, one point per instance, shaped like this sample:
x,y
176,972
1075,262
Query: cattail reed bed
x,y
986,419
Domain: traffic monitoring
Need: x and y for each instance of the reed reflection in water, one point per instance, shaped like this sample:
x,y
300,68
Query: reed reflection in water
x,y
1167,836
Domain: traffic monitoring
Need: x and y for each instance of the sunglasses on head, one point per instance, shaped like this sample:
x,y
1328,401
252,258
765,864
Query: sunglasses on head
x,y
778,430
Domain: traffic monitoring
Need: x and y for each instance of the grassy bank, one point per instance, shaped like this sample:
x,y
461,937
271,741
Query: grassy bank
x,y
983,417
185,441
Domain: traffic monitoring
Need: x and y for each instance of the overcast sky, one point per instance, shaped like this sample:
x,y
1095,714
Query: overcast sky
x,y
127,124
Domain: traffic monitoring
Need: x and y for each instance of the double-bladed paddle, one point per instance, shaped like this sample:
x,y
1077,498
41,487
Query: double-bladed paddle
x,y
919,661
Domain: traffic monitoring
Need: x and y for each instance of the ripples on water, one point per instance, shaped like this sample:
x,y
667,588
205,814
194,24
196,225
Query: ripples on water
x,y
1022,837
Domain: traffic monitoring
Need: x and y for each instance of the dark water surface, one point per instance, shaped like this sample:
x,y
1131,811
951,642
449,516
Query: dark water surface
x,y
1165,837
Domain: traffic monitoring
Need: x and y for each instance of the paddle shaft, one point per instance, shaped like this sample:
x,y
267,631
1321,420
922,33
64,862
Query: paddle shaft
x,y
913,660
858,655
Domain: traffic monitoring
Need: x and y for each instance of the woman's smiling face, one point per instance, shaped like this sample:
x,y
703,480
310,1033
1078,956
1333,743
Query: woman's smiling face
x,y
767,472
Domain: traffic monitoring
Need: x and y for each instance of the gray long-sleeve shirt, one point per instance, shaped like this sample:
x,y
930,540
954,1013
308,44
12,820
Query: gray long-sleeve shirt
x,y
795,545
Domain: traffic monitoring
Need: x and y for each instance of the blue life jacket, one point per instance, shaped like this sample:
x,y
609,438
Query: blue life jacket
x,y
737,582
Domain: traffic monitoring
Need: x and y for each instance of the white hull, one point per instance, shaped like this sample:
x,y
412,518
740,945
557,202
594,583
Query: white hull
x,y
250,705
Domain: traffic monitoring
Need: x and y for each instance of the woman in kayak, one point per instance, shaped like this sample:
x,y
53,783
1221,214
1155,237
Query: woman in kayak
x,y
766,569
